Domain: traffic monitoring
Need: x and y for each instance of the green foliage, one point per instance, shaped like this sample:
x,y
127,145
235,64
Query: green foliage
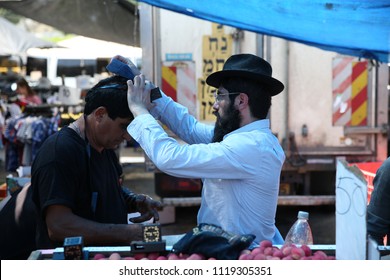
x,y
56,39
10,16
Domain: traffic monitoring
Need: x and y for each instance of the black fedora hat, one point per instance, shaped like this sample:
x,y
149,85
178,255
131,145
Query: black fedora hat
x,y
247,66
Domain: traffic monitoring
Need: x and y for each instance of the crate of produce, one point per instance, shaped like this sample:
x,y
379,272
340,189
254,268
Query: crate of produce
x,y
265,251
369,170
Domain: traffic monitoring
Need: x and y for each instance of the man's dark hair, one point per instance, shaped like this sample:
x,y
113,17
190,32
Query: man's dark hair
x,y
259,98
110,93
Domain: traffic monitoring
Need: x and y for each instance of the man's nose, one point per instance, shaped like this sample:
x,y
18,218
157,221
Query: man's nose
x,y
216,105
127,136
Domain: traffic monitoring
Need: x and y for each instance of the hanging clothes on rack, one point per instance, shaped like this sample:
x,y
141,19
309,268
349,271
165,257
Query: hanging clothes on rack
x,y
13,149
25,132
24,136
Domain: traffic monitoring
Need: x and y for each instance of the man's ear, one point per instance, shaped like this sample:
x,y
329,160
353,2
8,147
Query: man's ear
x,y
242,101
99,113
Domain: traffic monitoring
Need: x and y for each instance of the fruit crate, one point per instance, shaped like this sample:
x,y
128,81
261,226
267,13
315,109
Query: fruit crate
x,y
124,253
91,252
369,170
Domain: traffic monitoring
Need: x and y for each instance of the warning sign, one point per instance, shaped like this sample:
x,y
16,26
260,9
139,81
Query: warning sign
x,y
350,80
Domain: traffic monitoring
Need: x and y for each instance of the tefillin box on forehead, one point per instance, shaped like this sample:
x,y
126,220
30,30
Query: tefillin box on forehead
x,y
151,240
120,68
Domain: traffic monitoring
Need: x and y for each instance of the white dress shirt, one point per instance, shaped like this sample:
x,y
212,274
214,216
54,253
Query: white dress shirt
x,y
240,174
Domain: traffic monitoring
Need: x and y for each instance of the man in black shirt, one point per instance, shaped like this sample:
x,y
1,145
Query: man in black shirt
x,y
378,210
75,181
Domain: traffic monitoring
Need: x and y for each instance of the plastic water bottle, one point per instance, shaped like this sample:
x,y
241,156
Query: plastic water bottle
x,y
300,232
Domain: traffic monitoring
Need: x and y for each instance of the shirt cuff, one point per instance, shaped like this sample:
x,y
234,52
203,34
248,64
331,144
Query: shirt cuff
x,y
161,103
138,124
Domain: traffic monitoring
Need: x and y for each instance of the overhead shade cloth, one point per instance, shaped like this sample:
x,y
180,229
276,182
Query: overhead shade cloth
x,y
87,48
351,27
15,40
98,48
109,20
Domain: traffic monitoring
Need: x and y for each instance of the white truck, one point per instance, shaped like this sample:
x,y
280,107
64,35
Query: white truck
x,y
333,106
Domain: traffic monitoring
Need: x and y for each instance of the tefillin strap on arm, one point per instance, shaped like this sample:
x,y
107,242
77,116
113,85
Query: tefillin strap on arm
x,y
132,199
94,193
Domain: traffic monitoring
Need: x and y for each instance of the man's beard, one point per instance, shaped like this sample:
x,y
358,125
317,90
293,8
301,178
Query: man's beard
x,y
228,123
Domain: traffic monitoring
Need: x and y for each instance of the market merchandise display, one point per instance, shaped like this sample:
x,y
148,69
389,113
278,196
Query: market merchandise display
x,y
203,242
266,251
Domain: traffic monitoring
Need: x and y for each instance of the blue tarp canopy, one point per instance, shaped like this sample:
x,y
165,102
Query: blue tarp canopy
x,y
355,28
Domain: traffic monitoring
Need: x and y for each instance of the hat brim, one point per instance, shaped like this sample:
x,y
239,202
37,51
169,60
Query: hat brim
x,y
273,85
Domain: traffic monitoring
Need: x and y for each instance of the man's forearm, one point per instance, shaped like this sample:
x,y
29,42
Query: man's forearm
x,y
62,223
138,110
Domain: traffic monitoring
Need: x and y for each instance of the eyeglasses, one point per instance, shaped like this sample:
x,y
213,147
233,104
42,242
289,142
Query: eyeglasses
x,y
218,95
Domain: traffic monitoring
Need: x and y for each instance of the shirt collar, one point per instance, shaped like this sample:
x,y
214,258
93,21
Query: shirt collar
x,y
256,125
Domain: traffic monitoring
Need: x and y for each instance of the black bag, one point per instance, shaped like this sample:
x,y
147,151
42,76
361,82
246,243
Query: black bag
x,y
212,241
17,224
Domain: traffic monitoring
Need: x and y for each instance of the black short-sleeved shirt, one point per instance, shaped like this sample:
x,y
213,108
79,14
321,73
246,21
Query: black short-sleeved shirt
x,y
64,172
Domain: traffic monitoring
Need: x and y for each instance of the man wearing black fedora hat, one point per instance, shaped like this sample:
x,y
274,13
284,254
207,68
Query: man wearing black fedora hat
x,y
239,159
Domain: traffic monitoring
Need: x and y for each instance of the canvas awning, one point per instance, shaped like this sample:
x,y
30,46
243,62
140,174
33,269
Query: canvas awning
x,y
108,20
16,41
358,28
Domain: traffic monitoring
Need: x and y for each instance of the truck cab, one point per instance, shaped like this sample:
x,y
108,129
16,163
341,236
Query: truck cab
x,y
333,106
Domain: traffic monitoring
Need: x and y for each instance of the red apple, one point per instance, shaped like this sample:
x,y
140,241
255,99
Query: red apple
x,y
286,250
246,257
114,256
320,255
306,249
265,244
269,251
257,250
297,253
153,256
278,253
195,257
172,256
98,256
259,256
183,256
